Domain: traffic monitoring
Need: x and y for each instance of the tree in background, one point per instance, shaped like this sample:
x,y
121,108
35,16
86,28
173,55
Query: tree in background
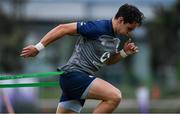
x,y
164,36
11,41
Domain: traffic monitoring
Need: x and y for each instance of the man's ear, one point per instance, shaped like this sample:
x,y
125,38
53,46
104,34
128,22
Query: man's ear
x,y
120,20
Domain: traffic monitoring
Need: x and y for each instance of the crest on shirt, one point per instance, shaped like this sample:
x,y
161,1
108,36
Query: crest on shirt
x,y
110,43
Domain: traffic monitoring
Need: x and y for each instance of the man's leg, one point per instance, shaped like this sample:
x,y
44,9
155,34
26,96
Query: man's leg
x,y
110,96
70,106
61,110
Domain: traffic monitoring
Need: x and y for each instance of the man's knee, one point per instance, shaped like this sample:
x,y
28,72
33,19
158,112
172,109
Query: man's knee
x,y
116,98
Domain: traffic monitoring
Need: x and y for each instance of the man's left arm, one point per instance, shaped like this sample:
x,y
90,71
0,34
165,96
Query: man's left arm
x,y
128,49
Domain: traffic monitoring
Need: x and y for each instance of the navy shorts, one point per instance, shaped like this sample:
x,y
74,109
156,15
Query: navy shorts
x,y
75,86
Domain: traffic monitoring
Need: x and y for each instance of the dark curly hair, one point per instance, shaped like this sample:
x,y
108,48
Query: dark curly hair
x,y
130,14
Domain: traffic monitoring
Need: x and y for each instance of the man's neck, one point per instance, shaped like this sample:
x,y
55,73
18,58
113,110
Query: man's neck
x,y
114,25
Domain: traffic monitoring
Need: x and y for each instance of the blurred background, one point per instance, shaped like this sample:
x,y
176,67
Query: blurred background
x,y
149,80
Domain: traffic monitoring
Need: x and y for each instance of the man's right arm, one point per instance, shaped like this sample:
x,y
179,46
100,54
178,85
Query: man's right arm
x,y
58,32
53,35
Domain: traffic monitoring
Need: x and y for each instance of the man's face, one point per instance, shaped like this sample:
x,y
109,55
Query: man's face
x,y
125,28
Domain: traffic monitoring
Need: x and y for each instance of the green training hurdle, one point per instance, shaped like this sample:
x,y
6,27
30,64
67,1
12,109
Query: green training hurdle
x,y
35,75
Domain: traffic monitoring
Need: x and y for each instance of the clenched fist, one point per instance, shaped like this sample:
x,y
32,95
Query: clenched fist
x,y
130,47
29,51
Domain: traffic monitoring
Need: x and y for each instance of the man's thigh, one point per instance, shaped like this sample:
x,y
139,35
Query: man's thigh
x,y
102,90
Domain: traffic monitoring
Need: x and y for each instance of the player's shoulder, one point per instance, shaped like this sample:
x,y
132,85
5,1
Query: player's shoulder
x,y
101,22
96,23
103,25
95,28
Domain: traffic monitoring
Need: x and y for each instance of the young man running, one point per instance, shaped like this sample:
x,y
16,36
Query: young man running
x,y
97,45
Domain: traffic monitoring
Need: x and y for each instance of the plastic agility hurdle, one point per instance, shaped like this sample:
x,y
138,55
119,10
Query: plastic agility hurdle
x,y
36,75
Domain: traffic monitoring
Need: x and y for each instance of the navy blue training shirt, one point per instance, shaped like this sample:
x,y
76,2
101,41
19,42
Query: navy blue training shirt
x,y
96,44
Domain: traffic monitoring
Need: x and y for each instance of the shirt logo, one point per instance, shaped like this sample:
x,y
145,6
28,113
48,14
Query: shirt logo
x,y
82,23
105,56
91,76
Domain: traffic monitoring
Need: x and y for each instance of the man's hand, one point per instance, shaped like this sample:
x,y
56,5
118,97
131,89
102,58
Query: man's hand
x,y
130,47
29,51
